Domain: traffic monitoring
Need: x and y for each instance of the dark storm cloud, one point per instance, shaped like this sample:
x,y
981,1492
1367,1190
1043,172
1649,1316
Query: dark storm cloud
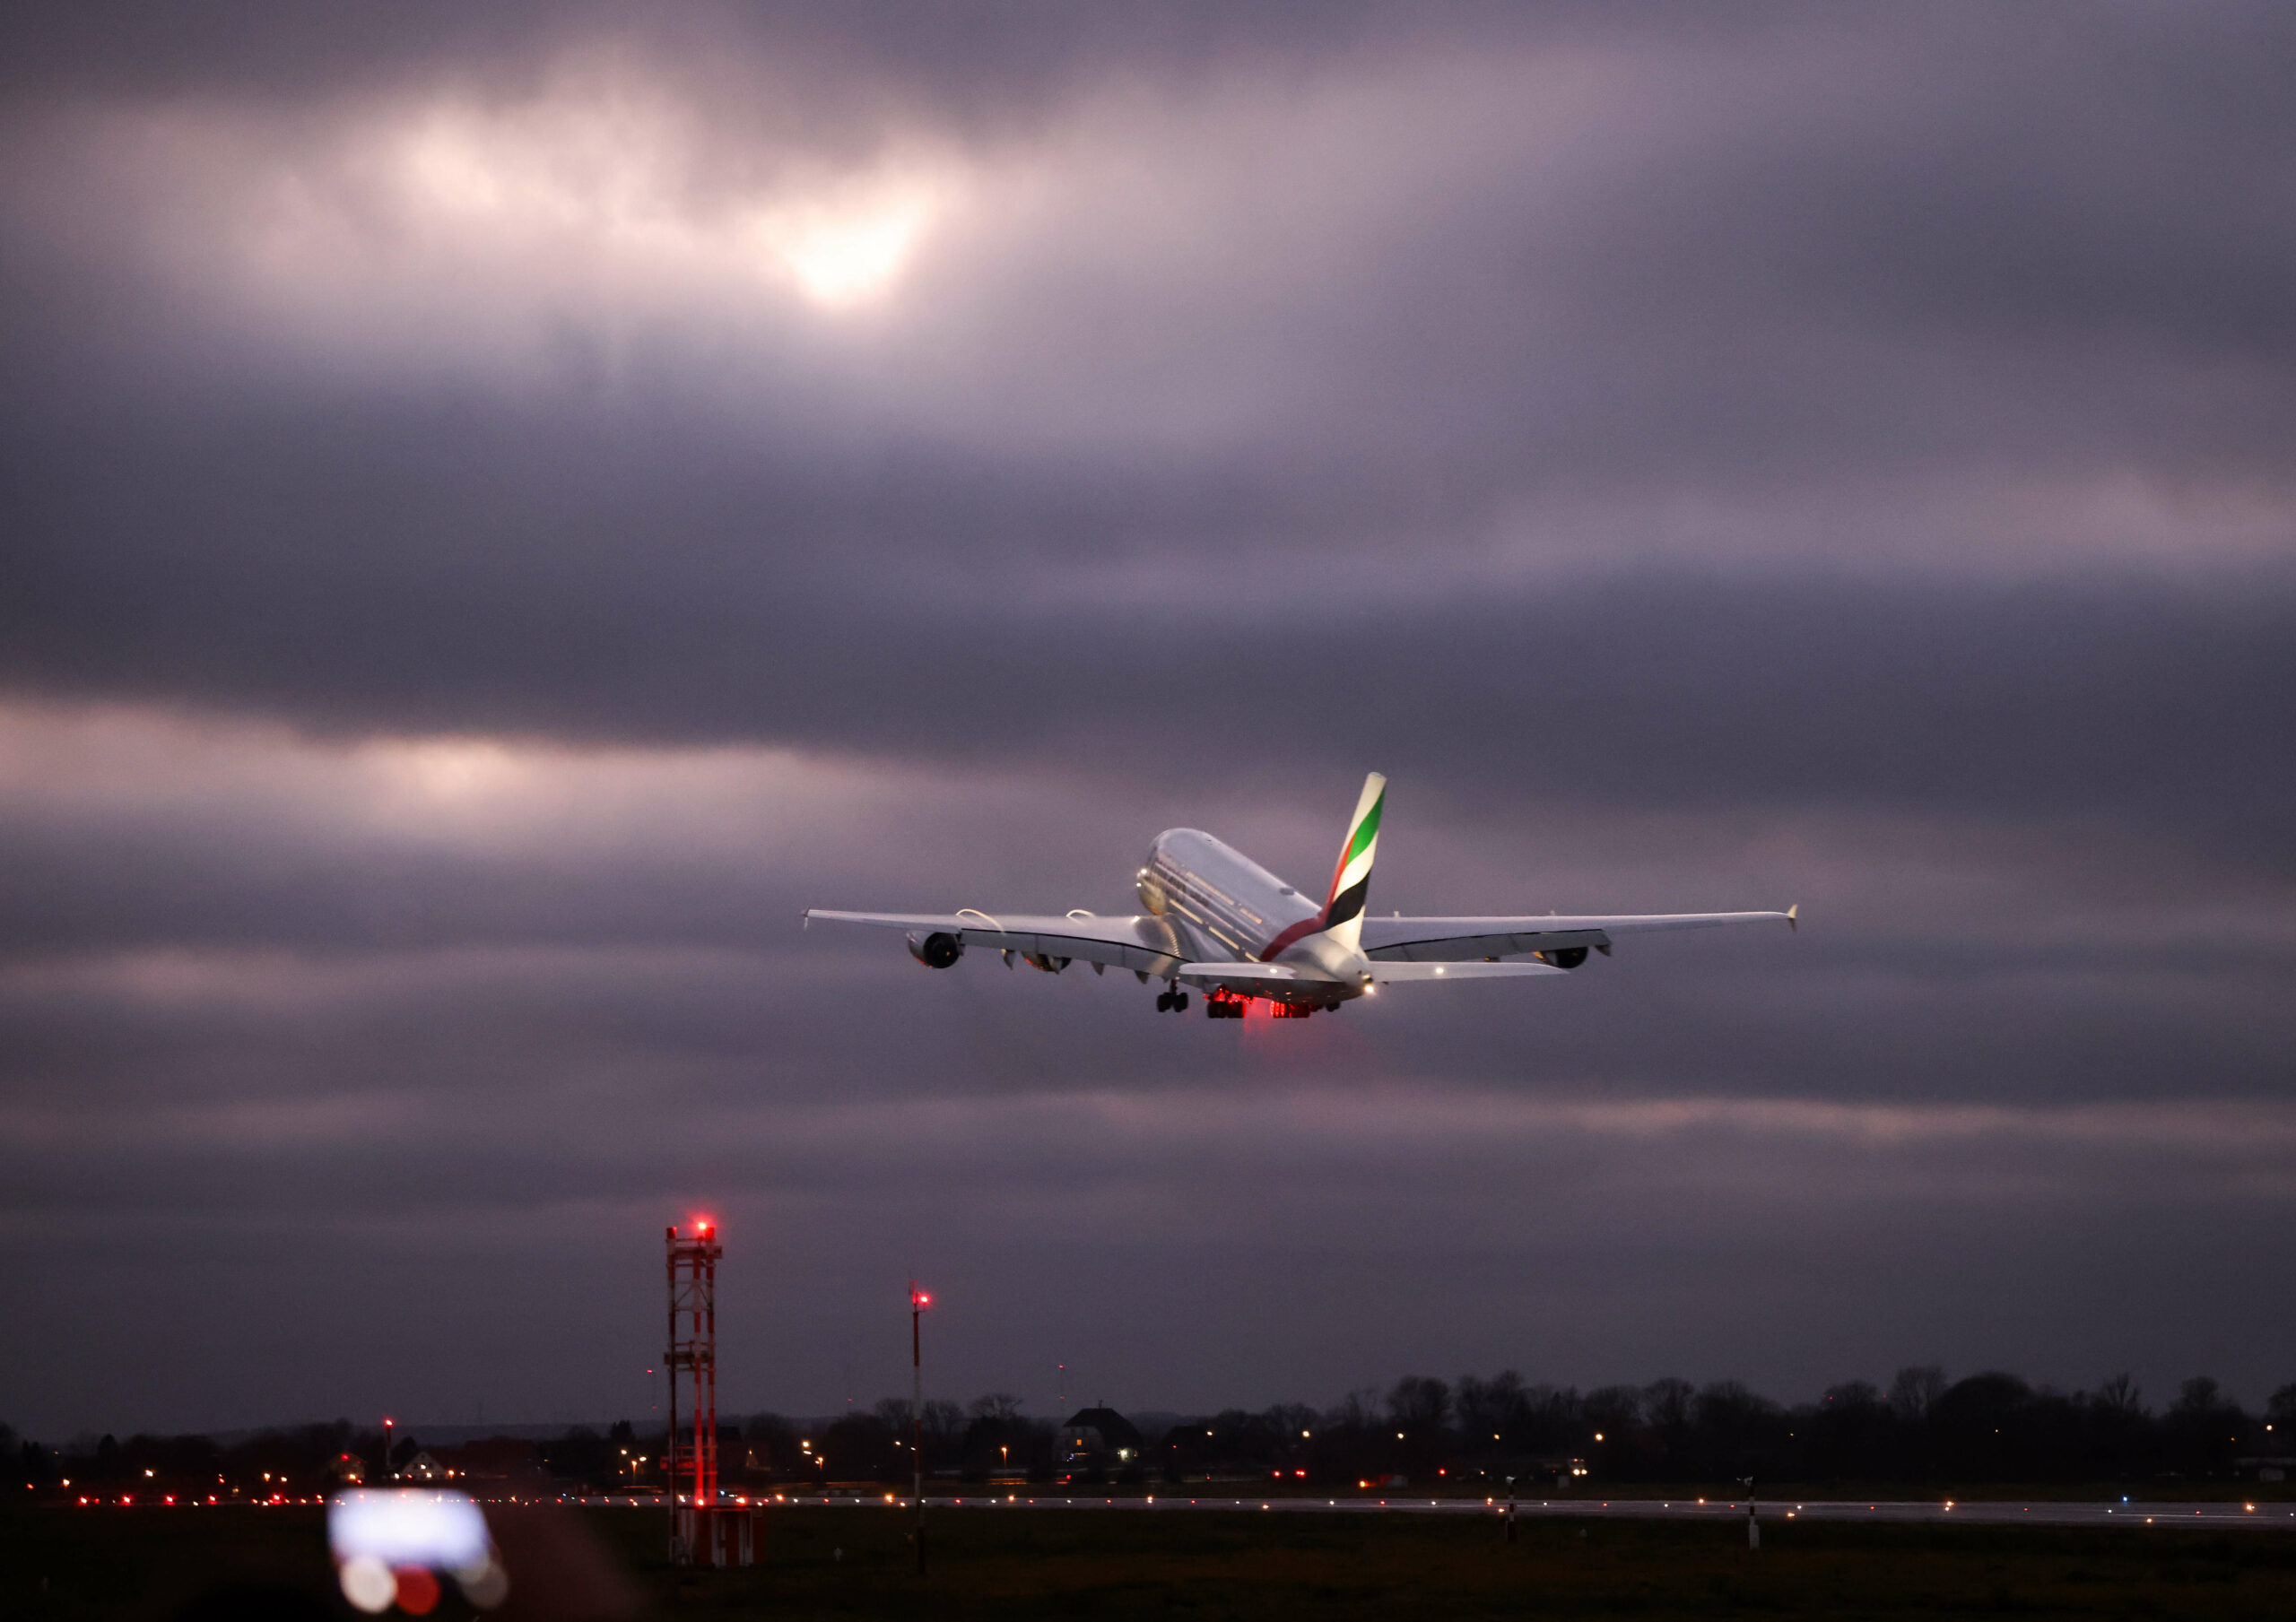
x,y
988,57
220,946
2155,696
1757,213
500,508
1807,303
1553,1223
390,1116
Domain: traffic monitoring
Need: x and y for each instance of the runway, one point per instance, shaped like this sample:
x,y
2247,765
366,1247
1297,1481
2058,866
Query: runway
x,y
2038,1512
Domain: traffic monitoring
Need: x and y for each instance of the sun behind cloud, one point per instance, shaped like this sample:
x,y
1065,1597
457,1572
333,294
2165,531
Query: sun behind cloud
x,y
845,250
609,183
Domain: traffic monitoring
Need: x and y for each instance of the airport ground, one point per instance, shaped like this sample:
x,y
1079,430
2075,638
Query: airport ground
x,y
857,1561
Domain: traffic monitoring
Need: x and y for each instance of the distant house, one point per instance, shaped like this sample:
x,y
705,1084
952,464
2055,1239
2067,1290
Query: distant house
x,y
1099,1436
422,1466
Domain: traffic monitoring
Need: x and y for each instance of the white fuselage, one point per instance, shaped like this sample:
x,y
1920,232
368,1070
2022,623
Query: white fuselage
x,y
1228,908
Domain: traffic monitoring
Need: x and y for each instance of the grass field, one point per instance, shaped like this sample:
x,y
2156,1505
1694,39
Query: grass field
x,y
858,1563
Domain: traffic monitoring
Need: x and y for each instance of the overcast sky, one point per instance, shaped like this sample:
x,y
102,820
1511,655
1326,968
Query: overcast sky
x,y
502,507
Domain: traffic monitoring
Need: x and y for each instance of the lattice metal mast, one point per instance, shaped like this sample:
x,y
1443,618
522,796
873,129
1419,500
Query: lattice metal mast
x,y
693,1353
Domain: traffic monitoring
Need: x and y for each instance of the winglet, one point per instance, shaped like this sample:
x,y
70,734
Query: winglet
x,y
1794,917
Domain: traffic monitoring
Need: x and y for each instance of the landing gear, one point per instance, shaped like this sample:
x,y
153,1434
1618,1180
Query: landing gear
x,y
1221,1003
1171,1002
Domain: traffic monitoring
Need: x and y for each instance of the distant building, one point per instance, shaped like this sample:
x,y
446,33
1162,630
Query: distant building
x,y
422,1466
1099,1436
491,1459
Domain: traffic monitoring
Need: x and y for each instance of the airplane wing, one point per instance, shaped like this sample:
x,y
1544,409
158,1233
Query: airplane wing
x,y
1143,944
1395,940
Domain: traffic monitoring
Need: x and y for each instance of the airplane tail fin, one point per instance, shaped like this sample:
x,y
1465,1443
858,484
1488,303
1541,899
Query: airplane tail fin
x,y
1351,881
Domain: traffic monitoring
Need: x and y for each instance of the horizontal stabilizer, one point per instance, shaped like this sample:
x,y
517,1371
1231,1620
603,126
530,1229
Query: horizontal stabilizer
x,y
1244,977
1390,973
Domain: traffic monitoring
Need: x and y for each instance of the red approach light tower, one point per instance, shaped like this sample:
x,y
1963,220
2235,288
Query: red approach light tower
x,y
692,1468
693,1353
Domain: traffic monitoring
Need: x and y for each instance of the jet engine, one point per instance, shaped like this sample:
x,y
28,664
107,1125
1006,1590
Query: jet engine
x,y
939,949
1562,957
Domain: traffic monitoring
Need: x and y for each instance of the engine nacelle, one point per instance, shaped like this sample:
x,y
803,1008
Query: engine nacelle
x,y
940,950
1562,957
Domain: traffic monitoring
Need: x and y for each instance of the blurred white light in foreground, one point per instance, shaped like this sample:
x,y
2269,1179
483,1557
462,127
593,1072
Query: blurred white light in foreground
x,y
408,1527
368,1584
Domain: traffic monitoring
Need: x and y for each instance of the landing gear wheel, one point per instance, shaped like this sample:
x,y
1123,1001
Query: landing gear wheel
x,y
1164,1002
1179,1002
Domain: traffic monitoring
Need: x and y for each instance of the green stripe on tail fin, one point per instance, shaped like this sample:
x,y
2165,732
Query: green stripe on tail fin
x,y
1351,881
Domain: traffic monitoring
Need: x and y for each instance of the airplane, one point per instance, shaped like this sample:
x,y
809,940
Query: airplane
x,y
1218,921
